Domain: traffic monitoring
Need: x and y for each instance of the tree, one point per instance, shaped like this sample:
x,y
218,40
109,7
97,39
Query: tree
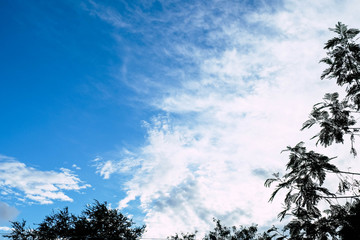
x,y
97,221
183,236
306,170
221,232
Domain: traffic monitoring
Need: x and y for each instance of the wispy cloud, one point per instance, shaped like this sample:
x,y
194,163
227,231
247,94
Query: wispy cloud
x,y
5,229
247,82
29,184
107,14
107,167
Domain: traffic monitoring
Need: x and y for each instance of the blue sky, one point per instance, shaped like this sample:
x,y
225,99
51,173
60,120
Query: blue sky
x,y
174,112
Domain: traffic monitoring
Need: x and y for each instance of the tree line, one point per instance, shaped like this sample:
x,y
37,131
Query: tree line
x,y
304,180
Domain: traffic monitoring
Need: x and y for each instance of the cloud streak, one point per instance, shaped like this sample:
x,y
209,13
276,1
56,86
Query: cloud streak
x,y
226,122
29,184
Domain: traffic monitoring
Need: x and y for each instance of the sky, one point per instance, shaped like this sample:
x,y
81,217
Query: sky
x,y
174,112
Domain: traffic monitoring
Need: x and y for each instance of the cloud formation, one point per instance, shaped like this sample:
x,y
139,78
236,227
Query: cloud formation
x,y
226,122
29,184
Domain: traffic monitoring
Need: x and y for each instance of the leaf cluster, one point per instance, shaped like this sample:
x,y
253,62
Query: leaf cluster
x,y
221,232
306,171
96,222
335,117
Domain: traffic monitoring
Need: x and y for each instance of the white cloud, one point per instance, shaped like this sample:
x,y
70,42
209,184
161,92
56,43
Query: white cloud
x,y
107,14
76,167
24,182
226,127
107,167
5,229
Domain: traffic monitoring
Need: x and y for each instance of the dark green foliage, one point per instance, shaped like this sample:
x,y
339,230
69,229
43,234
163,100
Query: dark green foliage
x,y
341,222
225,233
306,171
221,232
97,221
58,224
343,57
350,221
20,231
107,223
335,117
304,180
183,236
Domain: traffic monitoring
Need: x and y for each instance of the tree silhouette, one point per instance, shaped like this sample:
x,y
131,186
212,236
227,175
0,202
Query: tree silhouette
x,y
96,222
306,170
221,232
183,236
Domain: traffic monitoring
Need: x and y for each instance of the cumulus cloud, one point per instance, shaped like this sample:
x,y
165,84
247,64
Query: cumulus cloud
x,y
30,184
226,125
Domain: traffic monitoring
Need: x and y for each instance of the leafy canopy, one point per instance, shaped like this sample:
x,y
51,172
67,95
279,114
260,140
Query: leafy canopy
x,y
221,232
96,222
